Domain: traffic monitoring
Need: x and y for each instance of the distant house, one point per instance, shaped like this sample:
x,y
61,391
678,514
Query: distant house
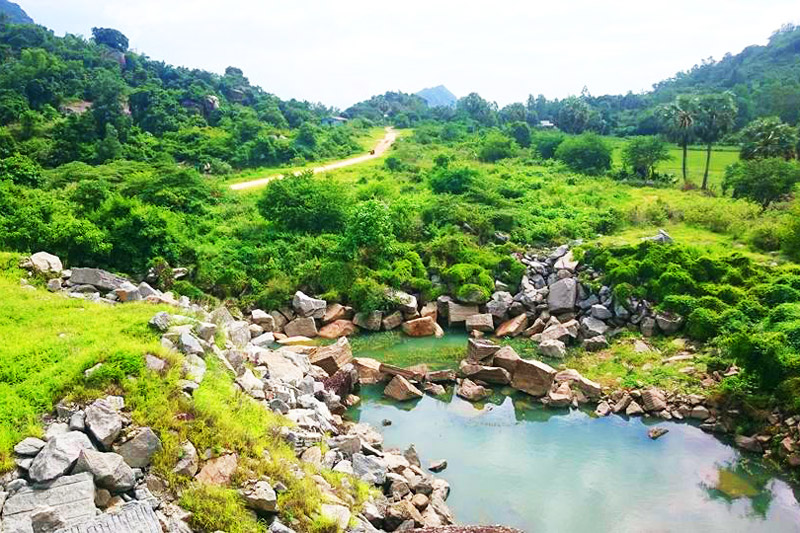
x,y
333,121
546,124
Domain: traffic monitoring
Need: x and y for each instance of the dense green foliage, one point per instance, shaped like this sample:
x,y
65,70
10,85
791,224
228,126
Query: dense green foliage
x,y
762,180
587,153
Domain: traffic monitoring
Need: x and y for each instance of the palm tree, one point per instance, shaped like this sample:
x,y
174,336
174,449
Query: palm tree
x,y
769,137
716,115
678,119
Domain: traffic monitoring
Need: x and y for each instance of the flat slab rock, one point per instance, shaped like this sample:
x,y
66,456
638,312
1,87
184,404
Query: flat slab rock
x,y
132,517
71,497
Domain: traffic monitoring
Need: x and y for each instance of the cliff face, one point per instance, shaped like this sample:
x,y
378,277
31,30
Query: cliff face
x,y
14,13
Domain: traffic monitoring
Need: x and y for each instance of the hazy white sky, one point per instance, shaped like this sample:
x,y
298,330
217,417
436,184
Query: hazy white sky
x,y
342,52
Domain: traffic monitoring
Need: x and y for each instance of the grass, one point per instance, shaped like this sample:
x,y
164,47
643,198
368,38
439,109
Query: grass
x,y
49,340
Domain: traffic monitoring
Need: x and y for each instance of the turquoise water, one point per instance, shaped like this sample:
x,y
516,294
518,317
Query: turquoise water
x,y
515,463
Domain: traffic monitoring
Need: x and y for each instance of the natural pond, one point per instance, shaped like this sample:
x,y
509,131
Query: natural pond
x,y
513,462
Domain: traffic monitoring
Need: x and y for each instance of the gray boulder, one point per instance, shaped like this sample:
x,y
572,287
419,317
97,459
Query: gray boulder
x,y
306,306
238,333
58,456
109,470
160,321
46,263
188,462
592,327
369,469
189,344
71,499
139,451
29,446
499,304
261,497
669,323
194,368
98,278
562,296
601,312
130,517
405,302
302,327
104,422
369,321
553,348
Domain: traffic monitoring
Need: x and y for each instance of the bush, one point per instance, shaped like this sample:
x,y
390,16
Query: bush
x,y
20,170
642,154
304,203
453,180
546,143
495,146
762,180
470,283
368,295
587,153
702,324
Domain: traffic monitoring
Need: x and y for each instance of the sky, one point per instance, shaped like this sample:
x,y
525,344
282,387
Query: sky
x,y
342,52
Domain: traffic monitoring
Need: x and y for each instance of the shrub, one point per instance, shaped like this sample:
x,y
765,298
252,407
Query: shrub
x,y
304,203
20,170
546,143
453,180
521,132
702,324
495,146
642,154
587,153
470,282
762,180
368,295
762,354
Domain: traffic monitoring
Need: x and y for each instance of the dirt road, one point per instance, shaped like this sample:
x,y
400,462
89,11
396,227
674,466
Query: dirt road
x,y
380,148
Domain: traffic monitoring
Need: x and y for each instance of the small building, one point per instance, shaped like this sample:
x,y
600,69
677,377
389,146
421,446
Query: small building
x,y
333,121
546,124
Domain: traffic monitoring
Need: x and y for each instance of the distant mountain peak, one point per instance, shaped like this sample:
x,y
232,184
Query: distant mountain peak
x,y
439,96
14,13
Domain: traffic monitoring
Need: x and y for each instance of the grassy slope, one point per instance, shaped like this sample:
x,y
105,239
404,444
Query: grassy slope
x,y
47,343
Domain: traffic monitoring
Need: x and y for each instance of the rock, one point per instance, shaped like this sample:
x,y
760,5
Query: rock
x,y
400,389
537,327
369,469
471,391
45,263
261,497
587,386
103,422
29,446
301,327
194,368
603,409
400,513
648,326
308,307
369,321
160,321
101,279
333,356
669,323
506,358
392,321
420,327
513,327
45,519
369,370
338,514
139,451
54,285
566,262
751,444
560,397
700,412
188,462
489,374
430,309
601,312
553,348
189,344
70,497
457,312
130,517
404,301
58,455
336,312
562,296
154,363
656,432
481,322
109,470
592,327
555,332
438,466
480,349
420,501
499,305
218,471
595,344
533,377
654,400
336,329
634,409
128,292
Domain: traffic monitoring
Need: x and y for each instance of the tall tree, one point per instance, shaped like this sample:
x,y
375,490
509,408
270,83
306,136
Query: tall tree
x,y
678,120
716,116
573,115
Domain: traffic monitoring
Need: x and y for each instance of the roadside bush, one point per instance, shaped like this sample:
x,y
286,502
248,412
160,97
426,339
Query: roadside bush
x,y
304,203
587,153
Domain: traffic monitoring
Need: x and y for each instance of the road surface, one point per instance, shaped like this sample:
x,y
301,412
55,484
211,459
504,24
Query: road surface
x,y
380,148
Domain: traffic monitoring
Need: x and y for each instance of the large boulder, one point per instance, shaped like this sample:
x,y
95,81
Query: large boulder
x,y
562,296
139,451
70,497
553,348
104,422
336,329
109,470
587,386
499,305
58,456
420,327
370,469
219,471
261,497
369,370
306,306
283,365
188,461
653,400
371,321
592,327
45,263
457,313
130,517
238,333
101,279
301,327
513,327
481,349
333,356
405,302
533,377
506,357
400,389
482,322
669,323
488,374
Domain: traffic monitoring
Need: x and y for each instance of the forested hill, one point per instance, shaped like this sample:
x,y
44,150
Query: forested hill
x,y
14,13
765,81
769,74
66,99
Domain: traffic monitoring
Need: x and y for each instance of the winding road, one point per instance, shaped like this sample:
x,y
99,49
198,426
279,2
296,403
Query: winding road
x,y
380,148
